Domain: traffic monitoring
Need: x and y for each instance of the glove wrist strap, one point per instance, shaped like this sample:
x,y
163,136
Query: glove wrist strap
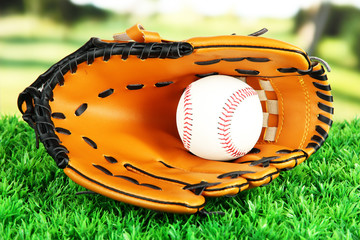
x,y
138,33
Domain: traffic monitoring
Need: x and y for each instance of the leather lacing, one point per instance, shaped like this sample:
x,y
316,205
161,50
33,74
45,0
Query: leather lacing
x,y
37,96
38,112
317,139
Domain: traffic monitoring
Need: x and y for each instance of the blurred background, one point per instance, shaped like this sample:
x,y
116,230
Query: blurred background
x,y
35,34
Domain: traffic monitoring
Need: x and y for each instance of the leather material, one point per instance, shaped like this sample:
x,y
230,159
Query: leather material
x,y
112,107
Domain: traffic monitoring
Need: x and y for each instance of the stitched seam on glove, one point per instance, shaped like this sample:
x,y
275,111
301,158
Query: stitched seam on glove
x,y
132,195
280,99
307,110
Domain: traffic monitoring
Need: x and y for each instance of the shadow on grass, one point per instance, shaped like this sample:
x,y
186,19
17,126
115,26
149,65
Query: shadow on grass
x,y
341,63
24,63
31,40
346,97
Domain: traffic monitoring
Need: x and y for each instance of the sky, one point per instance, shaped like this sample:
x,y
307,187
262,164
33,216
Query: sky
x,y
243,8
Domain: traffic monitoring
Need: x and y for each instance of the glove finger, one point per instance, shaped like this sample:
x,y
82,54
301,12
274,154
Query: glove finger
x,y
173,165
135,188
225,172
283,145
280,157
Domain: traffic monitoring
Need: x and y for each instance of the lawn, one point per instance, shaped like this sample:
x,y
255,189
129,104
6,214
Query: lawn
x,y
319,199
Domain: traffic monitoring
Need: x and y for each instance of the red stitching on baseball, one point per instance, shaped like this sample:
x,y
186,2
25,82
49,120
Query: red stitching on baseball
x,y
187,129
225,120
229,108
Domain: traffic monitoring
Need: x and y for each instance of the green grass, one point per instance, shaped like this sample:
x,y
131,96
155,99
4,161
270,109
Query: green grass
x,y
319,199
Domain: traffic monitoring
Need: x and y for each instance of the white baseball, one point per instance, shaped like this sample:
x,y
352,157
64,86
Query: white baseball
x,y
219,118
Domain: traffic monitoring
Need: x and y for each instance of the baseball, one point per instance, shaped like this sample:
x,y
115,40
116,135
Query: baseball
x,y
219,118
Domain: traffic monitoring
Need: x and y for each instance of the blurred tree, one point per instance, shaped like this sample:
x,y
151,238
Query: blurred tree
x,y
11,7
59,10
341,21
320,21
311,24
356,45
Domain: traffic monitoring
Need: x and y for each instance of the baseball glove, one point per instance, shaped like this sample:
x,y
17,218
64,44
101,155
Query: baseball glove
x,y
106,115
